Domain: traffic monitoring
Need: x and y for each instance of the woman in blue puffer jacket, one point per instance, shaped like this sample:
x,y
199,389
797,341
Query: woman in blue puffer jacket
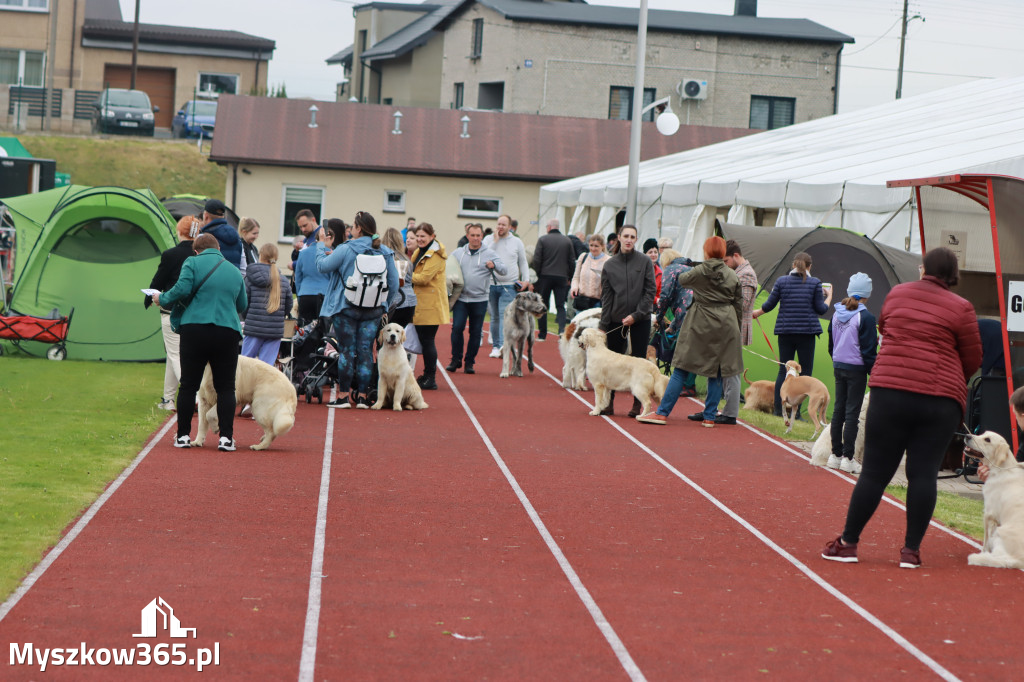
x,y
801,299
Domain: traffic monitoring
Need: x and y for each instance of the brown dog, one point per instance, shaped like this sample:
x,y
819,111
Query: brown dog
x,y
760,396
795,389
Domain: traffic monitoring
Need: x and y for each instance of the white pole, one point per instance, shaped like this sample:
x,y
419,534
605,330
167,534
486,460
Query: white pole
x,y
634,129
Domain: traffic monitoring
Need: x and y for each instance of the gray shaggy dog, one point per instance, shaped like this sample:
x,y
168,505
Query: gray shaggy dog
x,y
517,331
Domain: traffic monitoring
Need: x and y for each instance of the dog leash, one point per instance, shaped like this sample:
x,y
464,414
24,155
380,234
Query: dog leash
x,y
763,356
767,340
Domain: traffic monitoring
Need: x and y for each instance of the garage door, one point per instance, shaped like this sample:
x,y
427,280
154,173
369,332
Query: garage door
x,y
157,83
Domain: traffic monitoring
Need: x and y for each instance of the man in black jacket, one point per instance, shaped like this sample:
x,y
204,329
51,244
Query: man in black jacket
x,y
554,260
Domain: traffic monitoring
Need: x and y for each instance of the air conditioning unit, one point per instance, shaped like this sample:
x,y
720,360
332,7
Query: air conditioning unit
x,y
691,88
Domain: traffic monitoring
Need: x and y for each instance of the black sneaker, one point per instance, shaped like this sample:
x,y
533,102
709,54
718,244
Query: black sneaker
x,y
182,442
362,403
469,369
696,417
340,403
452,366
427,383
722,419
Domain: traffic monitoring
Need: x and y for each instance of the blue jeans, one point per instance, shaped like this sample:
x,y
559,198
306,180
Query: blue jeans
x,y
714,395
474,312
676,382
500,296
266,350
356,329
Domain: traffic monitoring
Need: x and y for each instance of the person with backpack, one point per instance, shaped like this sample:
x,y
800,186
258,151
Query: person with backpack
x,y
270,299
853,345
363,284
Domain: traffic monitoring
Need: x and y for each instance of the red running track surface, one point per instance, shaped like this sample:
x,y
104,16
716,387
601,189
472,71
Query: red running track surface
x,y
505,534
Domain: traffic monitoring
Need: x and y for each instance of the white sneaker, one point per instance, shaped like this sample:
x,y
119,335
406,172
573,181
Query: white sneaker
x,y
166,404
226,444
495,353
834,462
182,442
850,466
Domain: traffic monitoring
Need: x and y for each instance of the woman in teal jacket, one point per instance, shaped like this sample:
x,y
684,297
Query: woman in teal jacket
x,y
213,297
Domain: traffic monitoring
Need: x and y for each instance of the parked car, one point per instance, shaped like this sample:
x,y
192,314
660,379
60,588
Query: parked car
x,y
196,117
126,111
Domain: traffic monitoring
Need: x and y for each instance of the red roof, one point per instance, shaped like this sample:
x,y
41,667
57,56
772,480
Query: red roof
x,y
353,136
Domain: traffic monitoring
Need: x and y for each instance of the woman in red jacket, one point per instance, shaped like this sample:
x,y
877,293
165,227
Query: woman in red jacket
x,y
930,348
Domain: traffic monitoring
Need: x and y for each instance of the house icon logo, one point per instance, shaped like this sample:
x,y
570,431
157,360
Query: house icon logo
x,y
158,615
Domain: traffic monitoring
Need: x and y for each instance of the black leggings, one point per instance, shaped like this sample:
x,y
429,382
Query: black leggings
x,y
427,332
201,344
790,346
898,421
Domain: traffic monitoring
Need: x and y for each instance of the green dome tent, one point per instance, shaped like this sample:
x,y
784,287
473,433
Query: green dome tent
x,y
91,249
836,254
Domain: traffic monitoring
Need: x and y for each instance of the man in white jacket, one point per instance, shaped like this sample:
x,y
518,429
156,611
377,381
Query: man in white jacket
x,y
480,267
512,253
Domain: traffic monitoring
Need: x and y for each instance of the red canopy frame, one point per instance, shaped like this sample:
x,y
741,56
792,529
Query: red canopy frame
x,y
978,188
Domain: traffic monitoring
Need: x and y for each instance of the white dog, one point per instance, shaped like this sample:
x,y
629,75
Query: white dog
x,y
395,382
265,389
574,359
610,371
823,446
1004,503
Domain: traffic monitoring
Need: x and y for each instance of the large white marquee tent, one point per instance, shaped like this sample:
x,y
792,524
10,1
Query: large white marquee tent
x,y
830,171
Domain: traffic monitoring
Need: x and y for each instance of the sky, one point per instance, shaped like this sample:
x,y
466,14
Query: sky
x,y
954,41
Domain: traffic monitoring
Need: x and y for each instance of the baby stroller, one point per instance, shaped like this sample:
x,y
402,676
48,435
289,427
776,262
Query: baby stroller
x,y
663,339
315,361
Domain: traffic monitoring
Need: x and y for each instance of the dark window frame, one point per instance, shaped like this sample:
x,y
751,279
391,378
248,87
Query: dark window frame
x,y
476,48
459,96
772,102
650,95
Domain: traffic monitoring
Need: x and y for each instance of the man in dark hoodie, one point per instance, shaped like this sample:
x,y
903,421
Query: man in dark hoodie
x,y
227,236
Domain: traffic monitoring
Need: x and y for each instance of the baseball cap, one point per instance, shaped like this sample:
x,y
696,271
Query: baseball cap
x,y
215,207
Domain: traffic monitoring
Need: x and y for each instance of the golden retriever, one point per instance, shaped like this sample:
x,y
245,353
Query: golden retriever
x,y
795,389
265,389
395,382
610,371
760,396
574,359
1004,503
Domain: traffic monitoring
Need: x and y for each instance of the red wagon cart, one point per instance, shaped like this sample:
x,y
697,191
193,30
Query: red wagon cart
x,y
53,330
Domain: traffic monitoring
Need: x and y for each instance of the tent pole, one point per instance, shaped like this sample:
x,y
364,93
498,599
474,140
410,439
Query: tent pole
x,y
635,123
889,220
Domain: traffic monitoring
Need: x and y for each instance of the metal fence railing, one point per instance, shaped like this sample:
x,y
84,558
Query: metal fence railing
x,y
34,99
83,103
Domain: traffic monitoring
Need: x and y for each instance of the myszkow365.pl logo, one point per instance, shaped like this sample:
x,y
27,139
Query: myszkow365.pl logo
x,y
157,618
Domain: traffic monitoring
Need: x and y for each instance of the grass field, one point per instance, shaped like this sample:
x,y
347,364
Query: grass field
x,y
167,167
69,428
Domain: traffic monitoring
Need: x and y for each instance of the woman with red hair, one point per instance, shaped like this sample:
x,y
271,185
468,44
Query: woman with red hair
x,y
709,340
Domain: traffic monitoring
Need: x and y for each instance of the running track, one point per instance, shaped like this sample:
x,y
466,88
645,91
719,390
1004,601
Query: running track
x,y
504,534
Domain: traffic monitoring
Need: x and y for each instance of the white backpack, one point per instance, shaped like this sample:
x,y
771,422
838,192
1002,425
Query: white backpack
x,y
367,286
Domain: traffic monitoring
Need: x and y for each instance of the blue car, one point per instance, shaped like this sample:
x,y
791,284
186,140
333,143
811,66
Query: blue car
x,y
195,118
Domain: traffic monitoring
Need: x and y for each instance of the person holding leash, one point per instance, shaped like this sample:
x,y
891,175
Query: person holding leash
x,y
853,345
479,264
930,348
627,300
354,303
801,298
212,297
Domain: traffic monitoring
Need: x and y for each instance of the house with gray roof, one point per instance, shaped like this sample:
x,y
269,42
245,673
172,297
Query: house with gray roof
x,y
571,58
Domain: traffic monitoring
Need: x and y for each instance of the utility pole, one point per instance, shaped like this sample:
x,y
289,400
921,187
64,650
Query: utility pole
x,y
903,45
135,42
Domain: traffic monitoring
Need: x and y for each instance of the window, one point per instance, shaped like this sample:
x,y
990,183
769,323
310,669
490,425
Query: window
x,y
460,93
480,207
768,113
218,83
21,66
25,4
296,199
394,201
477,48
620,103
491,96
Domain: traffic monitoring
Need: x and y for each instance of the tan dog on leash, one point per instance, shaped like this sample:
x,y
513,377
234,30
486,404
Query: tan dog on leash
x,y
795,389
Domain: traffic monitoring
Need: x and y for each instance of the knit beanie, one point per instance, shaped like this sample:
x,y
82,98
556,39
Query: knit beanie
x,y
650,244
860,286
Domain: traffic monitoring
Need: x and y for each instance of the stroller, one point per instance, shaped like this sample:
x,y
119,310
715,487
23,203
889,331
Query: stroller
x,y
315,361
664,342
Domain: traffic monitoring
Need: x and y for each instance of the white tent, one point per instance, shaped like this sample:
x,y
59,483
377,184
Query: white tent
x,y
830,171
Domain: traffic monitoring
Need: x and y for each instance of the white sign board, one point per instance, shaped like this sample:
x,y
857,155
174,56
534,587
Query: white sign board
x,y
1015,307
956,241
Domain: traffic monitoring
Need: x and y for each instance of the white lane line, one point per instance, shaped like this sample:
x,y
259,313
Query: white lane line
x,y
307,663
602,623
75,531
799,565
